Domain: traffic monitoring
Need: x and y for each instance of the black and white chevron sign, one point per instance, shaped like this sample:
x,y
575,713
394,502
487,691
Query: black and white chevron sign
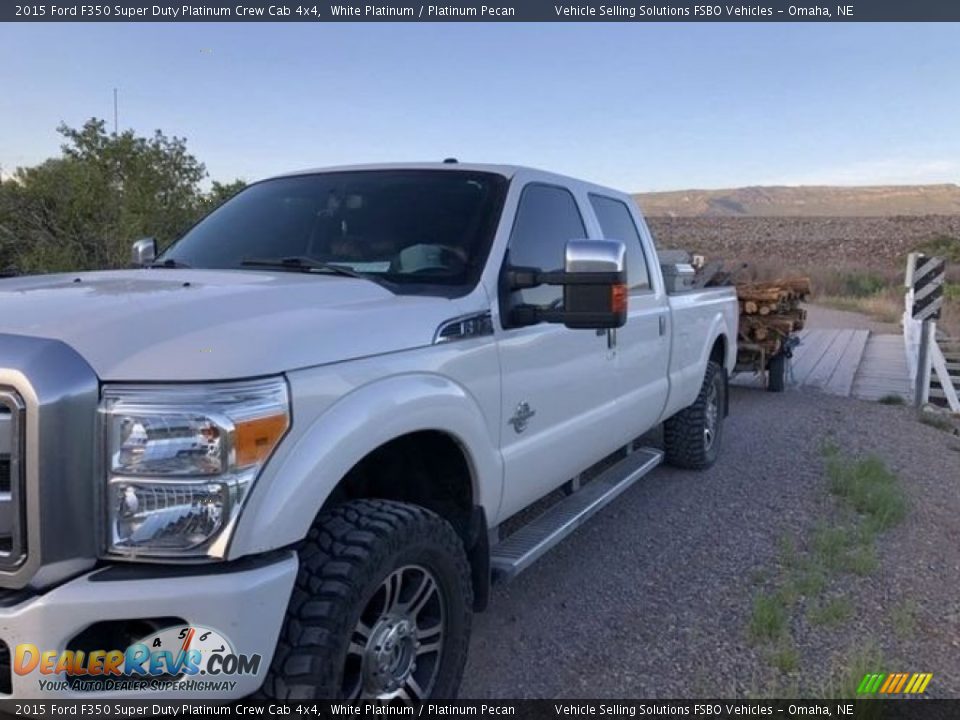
x,y
928,278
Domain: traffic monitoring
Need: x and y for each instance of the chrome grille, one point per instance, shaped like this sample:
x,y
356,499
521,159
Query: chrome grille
x,y
12,546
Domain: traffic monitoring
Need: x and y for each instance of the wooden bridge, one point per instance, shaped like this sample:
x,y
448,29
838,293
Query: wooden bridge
x,y
857,363
863,364
847,362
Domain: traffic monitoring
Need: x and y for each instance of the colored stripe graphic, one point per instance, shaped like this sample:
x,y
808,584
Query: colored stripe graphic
x,y
903,681
912,684
894,683
870,680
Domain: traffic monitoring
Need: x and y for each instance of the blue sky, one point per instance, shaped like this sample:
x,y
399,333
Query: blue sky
x,y
637,106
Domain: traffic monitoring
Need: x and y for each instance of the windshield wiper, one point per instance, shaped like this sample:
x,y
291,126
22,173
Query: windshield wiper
x,y
303,264
168,263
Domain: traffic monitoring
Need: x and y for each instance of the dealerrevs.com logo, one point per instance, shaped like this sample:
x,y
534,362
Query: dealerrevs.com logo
x,y
177,658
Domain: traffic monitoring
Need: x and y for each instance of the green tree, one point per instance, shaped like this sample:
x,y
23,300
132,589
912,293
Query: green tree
x,y
221,192
81,211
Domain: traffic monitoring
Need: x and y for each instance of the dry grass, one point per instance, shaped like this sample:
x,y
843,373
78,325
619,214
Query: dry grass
x,y
881,308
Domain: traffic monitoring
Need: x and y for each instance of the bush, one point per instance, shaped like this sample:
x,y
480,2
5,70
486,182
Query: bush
x,y
944,246
862,284
82,210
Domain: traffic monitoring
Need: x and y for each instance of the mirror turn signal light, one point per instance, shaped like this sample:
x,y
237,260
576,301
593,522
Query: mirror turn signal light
x,y
618,298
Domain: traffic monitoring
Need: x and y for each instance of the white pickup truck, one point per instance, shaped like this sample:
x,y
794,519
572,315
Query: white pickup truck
x,y
280,452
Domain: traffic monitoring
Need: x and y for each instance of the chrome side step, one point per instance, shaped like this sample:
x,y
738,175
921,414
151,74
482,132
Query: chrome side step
x,y
518,551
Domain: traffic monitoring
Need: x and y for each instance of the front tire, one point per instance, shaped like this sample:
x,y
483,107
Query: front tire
x,y
692,436
381,608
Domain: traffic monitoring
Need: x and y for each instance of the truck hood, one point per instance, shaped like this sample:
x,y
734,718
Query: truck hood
x,y
164,324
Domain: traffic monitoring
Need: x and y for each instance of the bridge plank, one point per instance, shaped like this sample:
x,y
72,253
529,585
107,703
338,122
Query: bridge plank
x,y
819,376
841,382
808,354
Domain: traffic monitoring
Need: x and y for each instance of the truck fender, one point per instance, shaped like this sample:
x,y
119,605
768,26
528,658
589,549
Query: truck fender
x,y
313,458
719,330
685,382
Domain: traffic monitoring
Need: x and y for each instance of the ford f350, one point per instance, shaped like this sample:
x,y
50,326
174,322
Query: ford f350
x,y
292,437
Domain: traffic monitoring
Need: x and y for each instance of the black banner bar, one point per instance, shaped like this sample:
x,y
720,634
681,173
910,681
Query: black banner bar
x,y
522,709
488,11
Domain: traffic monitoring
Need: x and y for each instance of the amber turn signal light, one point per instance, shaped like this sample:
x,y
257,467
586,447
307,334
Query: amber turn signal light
x,y
254,440
618,298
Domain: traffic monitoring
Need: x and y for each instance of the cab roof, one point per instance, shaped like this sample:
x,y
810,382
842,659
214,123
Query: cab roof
x,y
507,171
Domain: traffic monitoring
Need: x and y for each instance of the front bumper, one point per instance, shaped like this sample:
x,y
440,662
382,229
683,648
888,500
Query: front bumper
x,y
246,605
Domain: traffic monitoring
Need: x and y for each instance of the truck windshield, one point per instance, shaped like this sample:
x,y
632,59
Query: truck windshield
x,y
416,231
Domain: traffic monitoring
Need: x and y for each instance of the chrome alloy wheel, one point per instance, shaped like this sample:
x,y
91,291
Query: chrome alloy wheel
x,y
711,417
396,645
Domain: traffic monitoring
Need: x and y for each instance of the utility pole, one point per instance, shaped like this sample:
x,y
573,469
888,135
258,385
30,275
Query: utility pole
x,y
116,123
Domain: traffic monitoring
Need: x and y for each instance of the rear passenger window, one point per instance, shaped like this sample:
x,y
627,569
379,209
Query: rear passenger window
x,y
616,222
547,218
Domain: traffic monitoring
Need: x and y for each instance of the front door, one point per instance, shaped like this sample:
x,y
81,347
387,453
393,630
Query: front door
x,y
559,389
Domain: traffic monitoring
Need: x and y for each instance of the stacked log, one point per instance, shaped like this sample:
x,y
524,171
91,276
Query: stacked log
x,y
770,311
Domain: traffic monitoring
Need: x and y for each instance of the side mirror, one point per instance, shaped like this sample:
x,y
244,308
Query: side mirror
x,y
144,252
595,291
594,281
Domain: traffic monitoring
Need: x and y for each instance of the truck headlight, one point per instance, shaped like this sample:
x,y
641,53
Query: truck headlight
x,y
181,459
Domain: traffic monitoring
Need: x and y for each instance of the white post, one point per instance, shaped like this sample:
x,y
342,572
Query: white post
x,y
911,329
921,393
911,334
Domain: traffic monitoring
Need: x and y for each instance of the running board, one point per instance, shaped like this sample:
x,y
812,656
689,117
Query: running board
x,y
518,551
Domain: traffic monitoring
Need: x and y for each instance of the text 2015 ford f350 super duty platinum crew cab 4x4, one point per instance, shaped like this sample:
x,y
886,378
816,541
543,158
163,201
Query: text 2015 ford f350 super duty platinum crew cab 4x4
x,y
280,452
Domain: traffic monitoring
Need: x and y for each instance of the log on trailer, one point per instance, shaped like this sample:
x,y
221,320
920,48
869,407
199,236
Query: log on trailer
x,y
771,310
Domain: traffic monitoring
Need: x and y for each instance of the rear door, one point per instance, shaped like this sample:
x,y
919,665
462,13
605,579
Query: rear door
x,y
558,389
643,344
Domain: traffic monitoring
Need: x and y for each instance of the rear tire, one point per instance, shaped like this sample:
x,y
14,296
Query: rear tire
x,y
381,608
777,373
692,436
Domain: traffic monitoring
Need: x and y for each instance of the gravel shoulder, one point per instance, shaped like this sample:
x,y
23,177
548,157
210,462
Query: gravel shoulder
x,y
652,597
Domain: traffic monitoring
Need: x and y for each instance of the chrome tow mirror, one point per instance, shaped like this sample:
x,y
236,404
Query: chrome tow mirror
x,y
144,252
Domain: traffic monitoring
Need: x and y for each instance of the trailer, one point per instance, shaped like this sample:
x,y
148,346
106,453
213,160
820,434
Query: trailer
x,y
770,317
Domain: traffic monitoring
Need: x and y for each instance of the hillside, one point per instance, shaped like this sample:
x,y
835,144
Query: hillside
x,y
805,201
805,242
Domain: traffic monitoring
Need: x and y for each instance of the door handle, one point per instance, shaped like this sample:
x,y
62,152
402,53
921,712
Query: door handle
x,y
663,325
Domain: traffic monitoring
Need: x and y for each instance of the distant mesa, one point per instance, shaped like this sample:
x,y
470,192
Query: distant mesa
x,y
805,201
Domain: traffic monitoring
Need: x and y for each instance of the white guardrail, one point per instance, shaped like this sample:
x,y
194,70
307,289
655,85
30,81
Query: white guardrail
x,y
924,355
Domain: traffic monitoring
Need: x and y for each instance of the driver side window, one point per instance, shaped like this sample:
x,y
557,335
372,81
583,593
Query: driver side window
x,y
547,218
